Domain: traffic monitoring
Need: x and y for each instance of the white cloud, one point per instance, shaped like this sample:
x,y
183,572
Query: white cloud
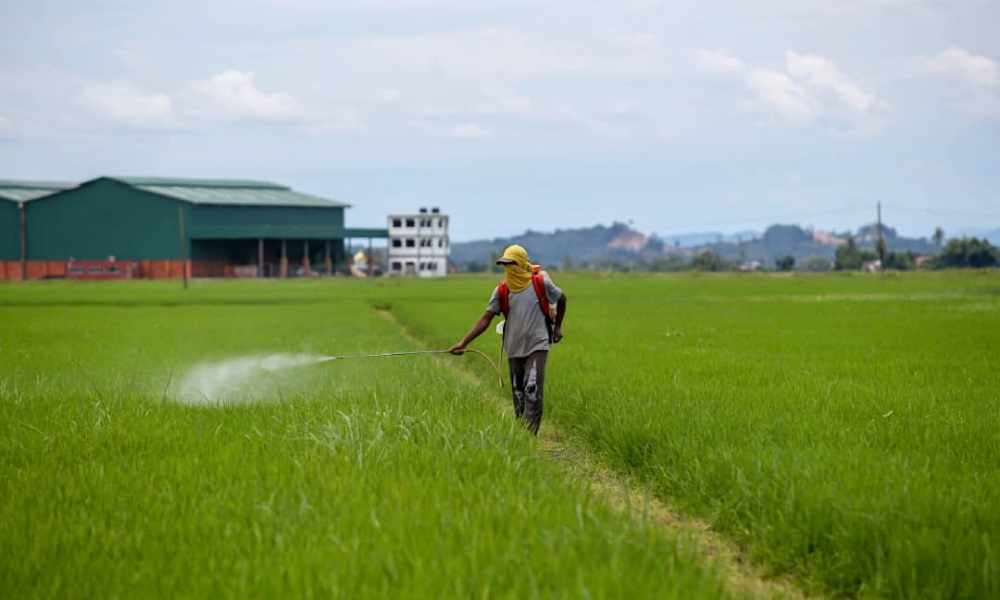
x,y
596,126
492,101
120,102
461,131
501,102
344,121
131,59
719,62
621,109
810,89
822,73
233,95
824,8
977,89
635,41
974,70
777,91
477,52
6,128
389,97
519,115
640,5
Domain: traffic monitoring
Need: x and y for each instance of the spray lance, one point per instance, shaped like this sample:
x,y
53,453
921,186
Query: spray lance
x,y
415,352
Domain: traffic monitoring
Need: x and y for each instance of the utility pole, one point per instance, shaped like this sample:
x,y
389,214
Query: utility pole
x,y
880,244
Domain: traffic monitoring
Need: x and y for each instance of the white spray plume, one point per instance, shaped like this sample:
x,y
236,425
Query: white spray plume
x,y
232,380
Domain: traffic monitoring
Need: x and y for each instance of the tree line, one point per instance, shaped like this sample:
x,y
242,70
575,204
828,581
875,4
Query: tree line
x,y
957,253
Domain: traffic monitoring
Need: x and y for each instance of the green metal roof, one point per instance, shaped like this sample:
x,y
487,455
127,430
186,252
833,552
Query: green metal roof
x,y
24,191
291,232
200,183
227,192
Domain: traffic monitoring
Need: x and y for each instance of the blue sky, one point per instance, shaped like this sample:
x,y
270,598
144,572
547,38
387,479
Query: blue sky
x,y
677,116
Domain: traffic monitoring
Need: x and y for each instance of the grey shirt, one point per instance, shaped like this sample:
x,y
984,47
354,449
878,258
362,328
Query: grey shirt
x,y
525,330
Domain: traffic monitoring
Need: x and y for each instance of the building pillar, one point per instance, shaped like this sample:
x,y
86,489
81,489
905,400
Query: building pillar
x,y
328,259
283,267
305,259
260,258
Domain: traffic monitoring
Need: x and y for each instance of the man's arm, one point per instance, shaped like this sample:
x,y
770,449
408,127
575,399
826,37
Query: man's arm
x,y
560,313
481,324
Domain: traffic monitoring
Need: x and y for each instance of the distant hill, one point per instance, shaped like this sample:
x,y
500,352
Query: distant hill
x,y
619,242
551,249
792,240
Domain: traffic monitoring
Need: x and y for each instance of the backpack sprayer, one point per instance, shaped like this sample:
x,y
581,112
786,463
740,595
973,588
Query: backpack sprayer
x,y
414,352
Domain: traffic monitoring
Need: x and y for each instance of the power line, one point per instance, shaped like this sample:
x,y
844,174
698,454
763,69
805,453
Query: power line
x,y
748,221
941,211
688,228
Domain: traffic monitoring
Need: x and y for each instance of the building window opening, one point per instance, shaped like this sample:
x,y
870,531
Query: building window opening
x,y
397,243
410,244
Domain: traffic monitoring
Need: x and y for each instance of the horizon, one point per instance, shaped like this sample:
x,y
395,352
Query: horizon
x,y
961,232
677,118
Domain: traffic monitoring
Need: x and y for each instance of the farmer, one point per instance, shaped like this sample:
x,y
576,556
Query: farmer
x,y
523,296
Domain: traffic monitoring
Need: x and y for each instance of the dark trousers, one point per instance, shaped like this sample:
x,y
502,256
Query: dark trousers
x,y
527,384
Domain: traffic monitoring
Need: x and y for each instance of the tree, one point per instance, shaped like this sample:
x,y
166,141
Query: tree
x,y
475,266
969,253
848,256
938,237
815,263
667,264
567,262
709,261
785,263
901,261
494,257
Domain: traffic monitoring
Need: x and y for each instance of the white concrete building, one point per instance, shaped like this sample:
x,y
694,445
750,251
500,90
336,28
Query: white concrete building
x,y
418,244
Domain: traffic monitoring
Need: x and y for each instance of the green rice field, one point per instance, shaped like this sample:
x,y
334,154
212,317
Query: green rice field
x,y
842,430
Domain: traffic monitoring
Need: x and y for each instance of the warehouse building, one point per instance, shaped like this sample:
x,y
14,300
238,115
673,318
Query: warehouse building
x,y
14,196
152,228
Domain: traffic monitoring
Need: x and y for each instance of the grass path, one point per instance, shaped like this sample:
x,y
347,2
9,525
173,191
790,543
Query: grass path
x,y
627,496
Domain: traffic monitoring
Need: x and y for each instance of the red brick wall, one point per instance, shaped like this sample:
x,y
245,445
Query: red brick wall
x,y
10,270
164,269
38,269
148,269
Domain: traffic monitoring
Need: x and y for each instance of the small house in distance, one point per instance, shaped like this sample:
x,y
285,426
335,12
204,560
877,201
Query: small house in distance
x,y
419,244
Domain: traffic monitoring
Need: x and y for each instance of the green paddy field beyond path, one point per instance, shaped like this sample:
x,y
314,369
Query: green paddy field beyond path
x,y
837,433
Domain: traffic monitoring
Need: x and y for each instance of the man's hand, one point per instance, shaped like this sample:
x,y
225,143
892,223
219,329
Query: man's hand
x,y
458,348
557,334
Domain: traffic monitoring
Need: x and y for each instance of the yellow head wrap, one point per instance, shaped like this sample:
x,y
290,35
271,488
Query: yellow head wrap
x,y
519,271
